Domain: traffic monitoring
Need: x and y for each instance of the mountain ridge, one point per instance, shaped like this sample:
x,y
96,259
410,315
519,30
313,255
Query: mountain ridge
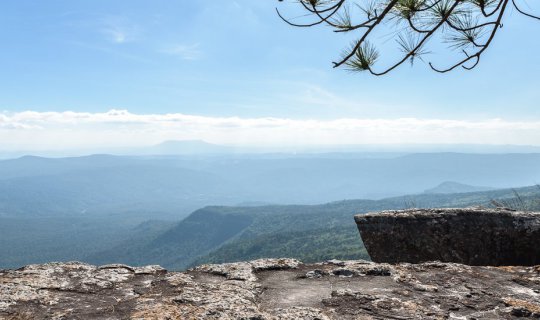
x,y
273,230
456,187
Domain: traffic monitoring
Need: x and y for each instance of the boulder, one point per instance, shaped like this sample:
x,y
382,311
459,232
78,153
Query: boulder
x,y
472,236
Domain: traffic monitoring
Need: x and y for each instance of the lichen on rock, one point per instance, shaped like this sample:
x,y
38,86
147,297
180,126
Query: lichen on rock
x,y
271,289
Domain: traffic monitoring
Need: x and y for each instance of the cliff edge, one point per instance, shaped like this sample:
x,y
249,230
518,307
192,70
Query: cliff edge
x,y
472,236
277,289
271,289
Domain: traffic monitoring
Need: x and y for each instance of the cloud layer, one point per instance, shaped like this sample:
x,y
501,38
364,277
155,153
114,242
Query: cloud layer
x,y
63,130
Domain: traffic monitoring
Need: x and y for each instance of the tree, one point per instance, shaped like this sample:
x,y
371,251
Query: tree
x,y
466,25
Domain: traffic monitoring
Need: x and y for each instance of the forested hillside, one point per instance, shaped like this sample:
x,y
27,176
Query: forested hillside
x,y
128,209
309,233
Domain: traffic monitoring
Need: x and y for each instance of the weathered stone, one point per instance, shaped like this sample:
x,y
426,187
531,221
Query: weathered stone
x,y
271,289
246,270
315,274
472,236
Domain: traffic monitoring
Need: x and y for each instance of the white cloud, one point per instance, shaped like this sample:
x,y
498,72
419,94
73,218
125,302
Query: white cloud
x,y
185,52
42,130
116,35
119,29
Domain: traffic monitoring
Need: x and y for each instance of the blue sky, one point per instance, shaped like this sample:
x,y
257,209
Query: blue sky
x,y
222,59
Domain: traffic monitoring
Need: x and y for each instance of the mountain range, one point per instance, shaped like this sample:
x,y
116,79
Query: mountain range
x,y
199,147
181,210
170,187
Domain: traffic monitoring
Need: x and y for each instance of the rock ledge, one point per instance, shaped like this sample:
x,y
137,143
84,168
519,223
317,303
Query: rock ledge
x,y
473,236
271,289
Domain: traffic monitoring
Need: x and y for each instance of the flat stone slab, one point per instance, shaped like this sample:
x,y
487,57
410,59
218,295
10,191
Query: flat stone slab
x,y
270,289
472,236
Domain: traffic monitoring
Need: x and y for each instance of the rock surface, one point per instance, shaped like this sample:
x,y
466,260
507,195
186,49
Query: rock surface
x,y
271,289
472,236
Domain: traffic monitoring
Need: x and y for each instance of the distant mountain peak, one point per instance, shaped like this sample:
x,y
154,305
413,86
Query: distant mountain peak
x,y
448,187
185,142
187,147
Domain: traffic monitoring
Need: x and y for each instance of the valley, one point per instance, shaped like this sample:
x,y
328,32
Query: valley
x,y
180,211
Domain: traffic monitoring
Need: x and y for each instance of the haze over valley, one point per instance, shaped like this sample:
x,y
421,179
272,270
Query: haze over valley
x,y
198,199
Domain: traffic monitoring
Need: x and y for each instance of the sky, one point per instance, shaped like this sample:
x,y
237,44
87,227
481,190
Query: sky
x,y
132,72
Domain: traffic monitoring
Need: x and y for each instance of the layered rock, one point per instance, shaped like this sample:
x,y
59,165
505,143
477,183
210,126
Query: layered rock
x,y
271,289
472,236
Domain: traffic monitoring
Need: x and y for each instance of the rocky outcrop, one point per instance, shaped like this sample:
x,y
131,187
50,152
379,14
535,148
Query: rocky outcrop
x,y
271,289
472,236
